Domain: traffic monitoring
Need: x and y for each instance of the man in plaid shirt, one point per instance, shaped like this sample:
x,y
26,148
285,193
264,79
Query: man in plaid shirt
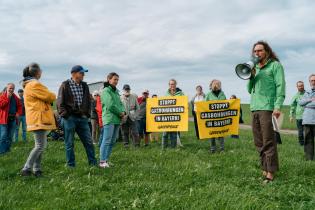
x,y
74,107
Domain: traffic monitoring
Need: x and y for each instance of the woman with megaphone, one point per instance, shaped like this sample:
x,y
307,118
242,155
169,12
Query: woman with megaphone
x,y
267,88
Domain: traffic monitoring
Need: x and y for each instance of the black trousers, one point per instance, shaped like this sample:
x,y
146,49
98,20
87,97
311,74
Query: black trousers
x,y
300,126
196,124
309,133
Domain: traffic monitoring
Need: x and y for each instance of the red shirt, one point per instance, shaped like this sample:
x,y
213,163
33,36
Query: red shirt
x,y
99,111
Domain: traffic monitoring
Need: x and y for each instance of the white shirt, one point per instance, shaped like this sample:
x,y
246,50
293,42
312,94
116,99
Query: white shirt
x,y
198,98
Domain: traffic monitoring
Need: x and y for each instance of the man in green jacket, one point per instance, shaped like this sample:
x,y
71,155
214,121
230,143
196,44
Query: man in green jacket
x,y
296,111
267,89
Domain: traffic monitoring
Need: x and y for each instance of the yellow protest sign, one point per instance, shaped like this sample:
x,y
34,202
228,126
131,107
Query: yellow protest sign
x,y
218,118
167,114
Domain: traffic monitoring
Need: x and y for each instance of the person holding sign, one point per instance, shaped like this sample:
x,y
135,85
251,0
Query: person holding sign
x,y
267,89
241,118
113,112
216,93
173,136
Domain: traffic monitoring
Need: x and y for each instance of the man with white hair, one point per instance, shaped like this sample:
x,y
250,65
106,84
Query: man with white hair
x,y
308,102
10,109
129,126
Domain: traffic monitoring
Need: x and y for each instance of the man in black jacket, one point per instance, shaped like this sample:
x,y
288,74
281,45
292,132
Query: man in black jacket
x,y
74,107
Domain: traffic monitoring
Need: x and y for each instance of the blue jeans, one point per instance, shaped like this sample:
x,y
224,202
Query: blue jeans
x,y
100,138
21,120
173,138
213,146
110,134
6,136
81,127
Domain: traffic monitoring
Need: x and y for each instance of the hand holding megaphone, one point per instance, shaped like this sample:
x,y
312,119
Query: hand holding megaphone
x,y
247,70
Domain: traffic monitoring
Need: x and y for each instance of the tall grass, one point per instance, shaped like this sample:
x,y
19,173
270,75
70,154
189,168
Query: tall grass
x,y
151,178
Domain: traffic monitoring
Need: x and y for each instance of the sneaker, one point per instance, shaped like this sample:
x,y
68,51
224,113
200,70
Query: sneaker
x,y
38,174
104,165
26,172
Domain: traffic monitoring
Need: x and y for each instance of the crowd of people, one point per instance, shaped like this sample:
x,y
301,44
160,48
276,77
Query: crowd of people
x,y
98,118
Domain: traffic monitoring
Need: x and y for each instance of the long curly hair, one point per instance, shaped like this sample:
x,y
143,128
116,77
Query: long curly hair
x,y
270,53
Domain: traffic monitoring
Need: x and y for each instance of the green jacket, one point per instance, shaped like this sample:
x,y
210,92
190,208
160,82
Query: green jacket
x,y
267,88
178,92
112,106
296,111
211,96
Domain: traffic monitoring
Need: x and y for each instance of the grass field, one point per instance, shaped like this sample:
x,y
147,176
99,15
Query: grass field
x,y
149,178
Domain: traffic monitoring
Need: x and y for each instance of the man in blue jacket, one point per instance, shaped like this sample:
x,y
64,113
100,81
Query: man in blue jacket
x,y
308,102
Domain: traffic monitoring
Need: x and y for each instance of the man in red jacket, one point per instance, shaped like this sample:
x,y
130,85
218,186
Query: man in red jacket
x,y
10,109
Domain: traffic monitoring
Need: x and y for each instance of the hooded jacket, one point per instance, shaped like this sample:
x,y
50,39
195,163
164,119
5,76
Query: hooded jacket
x,y
112,106
38,110
178,92
211,96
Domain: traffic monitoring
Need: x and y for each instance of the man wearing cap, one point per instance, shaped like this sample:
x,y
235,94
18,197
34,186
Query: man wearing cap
x,y
10,109
130,124
21,119
74,106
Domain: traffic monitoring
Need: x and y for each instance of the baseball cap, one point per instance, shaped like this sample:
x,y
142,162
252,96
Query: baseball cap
x,y
126,87
78,68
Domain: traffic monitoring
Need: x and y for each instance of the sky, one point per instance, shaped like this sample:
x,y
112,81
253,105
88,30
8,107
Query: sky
x,y
149,42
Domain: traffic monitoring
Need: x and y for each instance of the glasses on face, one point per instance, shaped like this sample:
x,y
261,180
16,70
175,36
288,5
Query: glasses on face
x,y
259,50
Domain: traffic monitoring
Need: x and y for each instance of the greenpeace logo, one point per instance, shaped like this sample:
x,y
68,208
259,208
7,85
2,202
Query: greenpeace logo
x,y
218,132
167,126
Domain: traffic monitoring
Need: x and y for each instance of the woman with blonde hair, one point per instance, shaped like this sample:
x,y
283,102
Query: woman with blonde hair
x,y
216,93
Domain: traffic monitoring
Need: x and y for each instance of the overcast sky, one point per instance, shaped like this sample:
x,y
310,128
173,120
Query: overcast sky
x,y
148,42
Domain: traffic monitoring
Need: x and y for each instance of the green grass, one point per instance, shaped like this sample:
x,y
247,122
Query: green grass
x,y
286,120
149,178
